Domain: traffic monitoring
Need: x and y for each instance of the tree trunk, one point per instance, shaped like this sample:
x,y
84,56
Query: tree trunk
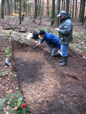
x,y
82,10
73,9
8,7
67,6
35,15
70,8
25,7
29,8
58,10
48,7
53,12
2,8
20,12
5,7
63,4
15,5
11,8
39,8
42,7
76,10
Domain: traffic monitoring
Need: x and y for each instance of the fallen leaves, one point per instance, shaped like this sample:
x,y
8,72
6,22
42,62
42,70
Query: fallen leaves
x,y
0,63
8,91
6,112
7,88
16,107
5,72
8,35
0,53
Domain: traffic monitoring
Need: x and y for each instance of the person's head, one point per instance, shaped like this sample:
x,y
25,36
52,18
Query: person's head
x,y
62,14
42,33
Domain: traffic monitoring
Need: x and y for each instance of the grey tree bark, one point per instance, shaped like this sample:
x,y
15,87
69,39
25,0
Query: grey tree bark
x,y
39,8
2,8
67,6
11,7
73,9
53,12
8,7
76,10
35,14
63,4
15,5
57,12
82,10
20,12
41,12
48,7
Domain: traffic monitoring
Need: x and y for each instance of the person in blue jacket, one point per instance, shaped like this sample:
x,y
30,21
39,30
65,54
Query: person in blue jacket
x,y
52,42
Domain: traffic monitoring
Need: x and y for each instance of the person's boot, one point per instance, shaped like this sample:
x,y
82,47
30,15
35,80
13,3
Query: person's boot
x,y
61,60
64,61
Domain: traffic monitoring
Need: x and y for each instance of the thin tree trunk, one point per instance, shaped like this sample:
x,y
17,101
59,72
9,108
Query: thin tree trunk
x,y
25,7
2,8
53,12
11,8
5,7
58,10
39,7
76,10
35,15
82,10
48,7
15,5
63,4
8,7
20,12
41,13
67,6
29,8
73,10
41,10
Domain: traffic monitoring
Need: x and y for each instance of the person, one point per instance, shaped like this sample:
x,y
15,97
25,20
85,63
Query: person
x,y
52,42
65,35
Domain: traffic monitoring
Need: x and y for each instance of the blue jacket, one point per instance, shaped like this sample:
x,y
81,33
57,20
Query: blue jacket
x,y
51,39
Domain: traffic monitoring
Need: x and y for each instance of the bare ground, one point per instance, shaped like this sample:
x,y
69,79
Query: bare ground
x,y
48,88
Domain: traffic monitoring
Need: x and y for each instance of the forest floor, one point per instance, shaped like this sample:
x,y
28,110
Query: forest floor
x,y
46,87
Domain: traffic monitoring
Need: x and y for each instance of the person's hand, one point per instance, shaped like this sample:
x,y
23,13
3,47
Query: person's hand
x,y
59,50
57,29
38,44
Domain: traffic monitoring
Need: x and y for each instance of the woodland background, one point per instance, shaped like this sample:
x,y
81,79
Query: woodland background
x,y
47,8
35,78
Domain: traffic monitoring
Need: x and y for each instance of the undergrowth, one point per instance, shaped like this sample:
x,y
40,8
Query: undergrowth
x,y
12,104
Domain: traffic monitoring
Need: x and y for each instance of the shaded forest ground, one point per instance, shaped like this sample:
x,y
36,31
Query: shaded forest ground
x,y
46,87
